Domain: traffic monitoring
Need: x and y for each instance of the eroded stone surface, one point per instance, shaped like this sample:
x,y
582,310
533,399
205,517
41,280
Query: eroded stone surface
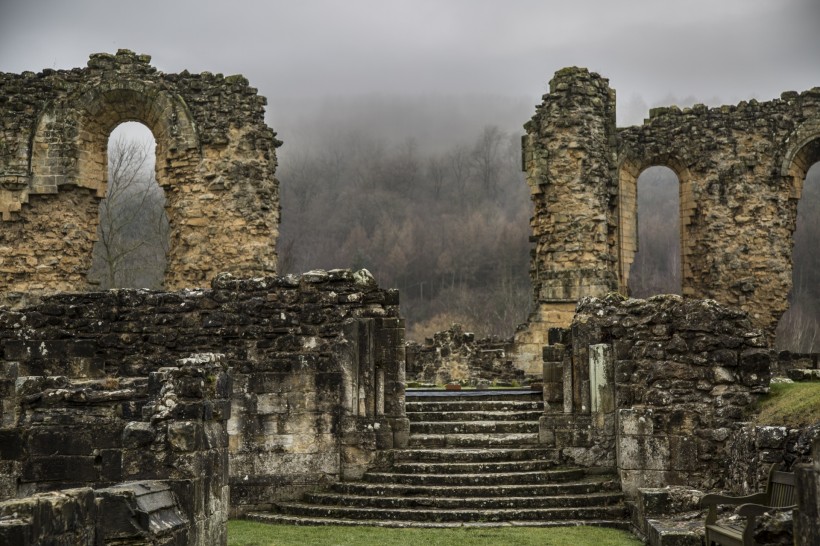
x,y
682,374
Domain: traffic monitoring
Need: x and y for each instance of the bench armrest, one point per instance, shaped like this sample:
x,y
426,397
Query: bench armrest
x,y
756,510
713,499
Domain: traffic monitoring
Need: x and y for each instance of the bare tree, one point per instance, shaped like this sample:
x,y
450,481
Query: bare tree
x,y
486,158
132,236
459,161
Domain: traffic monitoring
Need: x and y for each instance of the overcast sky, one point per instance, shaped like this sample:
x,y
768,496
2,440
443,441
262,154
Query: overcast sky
x,y
652,50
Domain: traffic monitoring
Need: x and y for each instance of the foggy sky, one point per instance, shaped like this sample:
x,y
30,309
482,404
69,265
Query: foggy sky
x,y
652,51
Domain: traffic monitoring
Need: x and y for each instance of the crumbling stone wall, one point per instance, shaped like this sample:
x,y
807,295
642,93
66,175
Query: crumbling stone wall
x,y
317,366
654,387
170,427
145,513
215,160
456,356
567,156
796,366
755,448
741,170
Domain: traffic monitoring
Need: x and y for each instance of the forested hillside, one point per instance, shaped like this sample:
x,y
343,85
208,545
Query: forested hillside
x,y
448,228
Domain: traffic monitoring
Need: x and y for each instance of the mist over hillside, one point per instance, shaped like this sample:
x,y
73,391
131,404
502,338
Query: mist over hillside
x,y
428,194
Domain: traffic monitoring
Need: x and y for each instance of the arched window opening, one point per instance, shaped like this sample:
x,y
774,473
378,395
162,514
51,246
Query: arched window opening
x,y
799,328
656,268
132,237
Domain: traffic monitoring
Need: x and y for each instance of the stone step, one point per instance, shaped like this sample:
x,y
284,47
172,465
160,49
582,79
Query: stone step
x,y
486,478
475,455
586,485
472,405
428,416
473,440
512,395
472,467
473,427
471,503
265,517
302,509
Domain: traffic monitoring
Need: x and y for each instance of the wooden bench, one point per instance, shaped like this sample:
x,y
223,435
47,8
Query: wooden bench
x,y
779,494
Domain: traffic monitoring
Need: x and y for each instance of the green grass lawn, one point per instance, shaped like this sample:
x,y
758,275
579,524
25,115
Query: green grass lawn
x,y
791,404
250,533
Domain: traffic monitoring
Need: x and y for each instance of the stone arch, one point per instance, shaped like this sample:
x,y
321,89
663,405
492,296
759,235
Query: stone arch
x,y
803,152
630,168
104,107
215,160
178,154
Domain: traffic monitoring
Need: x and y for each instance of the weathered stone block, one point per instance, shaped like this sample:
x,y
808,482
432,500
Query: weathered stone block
x,y
137,434
643,452
634,422
185,435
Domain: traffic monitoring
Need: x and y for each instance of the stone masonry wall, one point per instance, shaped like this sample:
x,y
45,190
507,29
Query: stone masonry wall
x,y
740,168
170,426
670,379
755,448
215,160
455,356
317,368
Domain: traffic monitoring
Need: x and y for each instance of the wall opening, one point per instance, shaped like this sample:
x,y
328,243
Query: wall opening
x,y
131,250
656,268
799,327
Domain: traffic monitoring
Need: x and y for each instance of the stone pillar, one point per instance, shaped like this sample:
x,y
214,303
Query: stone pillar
x,y
569,161
391,359
807,516
568,154
185,422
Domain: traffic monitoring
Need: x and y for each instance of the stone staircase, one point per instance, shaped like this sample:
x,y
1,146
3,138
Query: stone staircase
x,y
473,460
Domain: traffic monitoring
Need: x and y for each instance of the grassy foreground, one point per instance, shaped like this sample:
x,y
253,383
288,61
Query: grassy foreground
x,y
250,533
791,404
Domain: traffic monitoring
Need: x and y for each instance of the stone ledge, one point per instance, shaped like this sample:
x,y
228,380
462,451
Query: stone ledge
x,y
667,532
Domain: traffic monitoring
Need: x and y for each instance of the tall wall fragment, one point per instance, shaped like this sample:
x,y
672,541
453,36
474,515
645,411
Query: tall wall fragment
x,y
741,170
569,161
215,160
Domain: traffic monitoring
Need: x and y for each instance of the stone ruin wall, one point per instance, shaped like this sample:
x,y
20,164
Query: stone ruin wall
x,y
741,170
755,448
313,388
653,387
456,356
216,159
108,442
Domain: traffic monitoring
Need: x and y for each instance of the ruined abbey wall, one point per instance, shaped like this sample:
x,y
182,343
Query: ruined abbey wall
x,y
655,387
740,168
314,368
215,160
